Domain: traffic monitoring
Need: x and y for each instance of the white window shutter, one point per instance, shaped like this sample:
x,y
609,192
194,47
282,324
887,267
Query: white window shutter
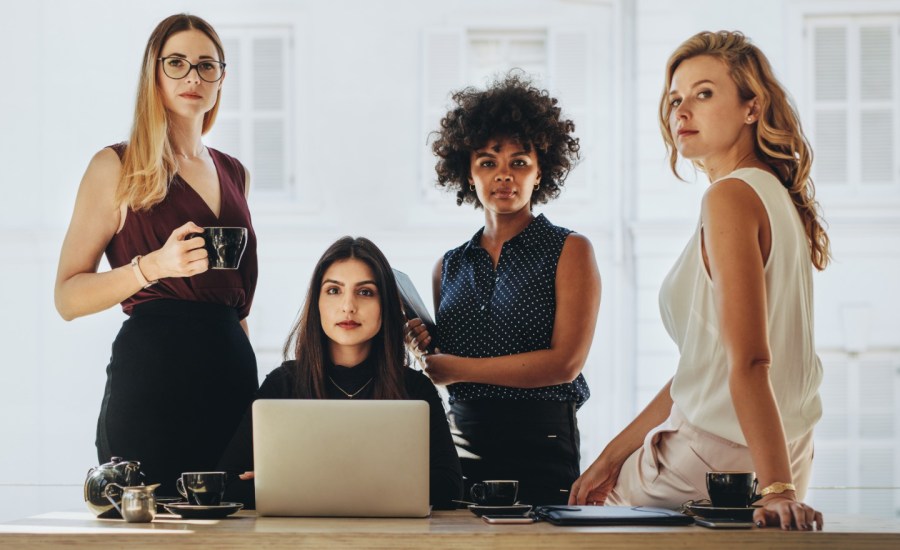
x,y
830,62
226,135
254,117
830,135
269,76
443,65
877,124
835,404
570,64
269,154
876,53
857,437
877,400
270,52
830,146
231,89
876,128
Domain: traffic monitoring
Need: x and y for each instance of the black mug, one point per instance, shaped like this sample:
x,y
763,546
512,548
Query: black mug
x,y
731,489
224,245
495,492
203,488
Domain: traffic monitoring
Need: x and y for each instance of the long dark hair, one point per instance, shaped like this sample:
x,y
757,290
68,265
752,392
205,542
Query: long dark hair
x,y
307,343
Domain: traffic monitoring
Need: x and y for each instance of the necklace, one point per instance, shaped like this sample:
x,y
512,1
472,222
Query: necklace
x,y
354,394
193,157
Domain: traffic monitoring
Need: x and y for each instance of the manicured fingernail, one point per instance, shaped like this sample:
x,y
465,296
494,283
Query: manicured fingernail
x,y
759,523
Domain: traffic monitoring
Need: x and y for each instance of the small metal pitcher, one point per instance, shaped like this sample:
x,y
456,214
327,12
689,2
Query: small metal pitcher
x,y
138,503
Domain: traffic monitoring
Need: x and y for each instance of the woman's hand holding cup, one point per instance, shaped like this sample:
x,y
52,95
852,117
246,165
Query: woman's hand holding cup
x,y
179,257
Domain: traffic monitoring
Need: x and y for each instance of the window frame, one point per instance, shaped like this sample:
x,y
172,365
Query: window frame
x,y
852,200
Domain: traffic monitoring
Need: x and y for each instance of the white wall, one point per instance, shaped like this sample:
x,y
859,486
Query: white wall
x,y
68,90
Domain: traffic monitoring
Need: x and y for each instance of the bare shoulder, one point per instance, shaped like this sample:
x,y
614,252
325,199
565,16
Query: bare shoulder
x,y
733,199
730,191
104,171
438,268
577,250
577,259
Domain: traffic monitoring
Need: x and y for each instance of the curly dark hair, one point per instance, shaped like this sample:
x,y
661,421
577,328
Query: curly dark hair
x,y
512,108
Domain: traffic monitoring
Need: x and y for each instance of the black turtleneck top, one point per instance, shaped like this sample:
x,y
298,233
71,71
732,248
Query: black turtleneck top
x,y
446,475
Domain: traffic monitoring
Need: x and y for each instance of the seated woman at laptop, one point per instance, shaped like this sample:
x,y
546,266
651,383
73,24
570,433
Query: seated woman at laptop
x,y
348,344
516,303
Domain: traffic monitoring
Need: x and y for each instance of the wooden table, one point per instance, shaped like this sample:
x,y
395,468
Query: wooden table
x,y
445,529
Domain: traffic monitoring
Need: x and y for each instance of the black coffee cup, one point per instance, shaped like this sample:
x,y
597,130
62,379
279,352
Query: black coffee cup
x,y
731,489
224,245
202,488
495,492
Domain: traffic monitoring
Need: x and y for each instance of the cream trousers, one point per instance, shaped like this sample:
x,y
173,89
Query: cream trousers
x,y
670,468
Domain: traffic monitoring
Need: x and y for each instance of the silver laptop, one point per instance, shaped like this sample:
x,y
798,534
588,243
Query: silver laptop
x,y
322,457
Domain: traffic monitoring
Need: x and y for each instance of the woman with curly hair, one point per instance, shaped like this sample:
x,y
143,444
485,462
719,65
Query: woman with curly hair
x,y
738,302
518,302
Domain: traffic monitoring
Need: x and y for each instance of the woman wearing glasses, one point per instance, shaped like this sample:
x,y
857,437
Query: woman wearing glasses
x,y
182,370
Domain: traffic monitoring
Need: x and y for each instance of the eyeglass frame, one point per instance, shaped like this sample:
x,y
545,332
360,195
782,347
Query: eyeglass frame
x,y
193,67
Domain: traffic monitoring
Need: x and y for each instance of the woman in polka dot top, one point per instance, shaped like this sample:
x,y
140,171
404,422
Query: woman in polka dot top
x,y
518,302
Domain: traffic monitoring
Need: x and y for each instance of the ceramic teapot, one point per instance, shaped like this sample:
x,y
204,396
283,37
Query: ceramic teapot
x,y
124,473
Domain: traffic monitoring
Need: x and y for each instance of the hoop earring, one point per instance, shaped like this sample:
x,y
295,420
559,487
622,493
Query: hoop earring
x,y
471,187
537,185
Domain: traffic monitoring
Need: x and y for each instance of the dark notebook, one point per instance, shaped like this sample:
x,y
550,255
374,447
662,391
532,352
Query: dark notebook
x,y
610,515
413,306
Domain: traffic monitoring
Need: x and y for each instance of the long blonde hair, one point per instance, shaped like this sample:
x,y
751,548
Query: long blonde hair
x,y
780,141
149,162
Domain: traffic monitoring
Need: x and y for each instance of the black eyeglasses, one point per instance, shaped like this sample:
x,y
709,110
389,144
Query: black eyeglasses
x,y
179,67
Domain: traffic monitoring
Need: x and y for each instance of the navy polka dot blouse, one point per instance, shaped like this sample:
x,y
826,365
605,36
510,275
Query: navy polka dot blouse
x,y
487,313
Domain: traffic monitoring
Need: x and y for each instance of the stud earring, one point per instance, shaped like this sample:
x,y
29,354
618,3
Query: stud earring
x,y
749,119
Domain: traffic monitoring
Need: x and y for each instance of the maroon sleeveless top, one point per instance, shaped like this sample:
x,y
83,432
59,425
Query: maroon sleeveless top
x,y
148,230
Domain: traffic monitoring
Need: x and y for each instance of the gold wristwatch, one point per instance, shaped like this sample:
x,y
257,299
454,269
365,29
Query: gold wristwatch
x,y
777,488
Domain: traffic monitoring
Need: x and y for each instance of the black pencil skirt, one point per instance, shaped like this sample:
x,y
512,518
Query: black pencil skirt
x,y
535,442
180,379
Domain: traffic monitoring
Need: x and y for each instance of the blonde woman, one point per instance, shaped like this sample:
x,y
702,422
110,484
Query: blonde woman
x,y
182,370
738,302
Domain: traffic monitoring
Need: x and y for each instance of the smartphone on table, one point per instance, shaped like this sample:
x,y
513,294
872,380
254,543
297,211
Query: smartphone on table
x,y
724,523
508,519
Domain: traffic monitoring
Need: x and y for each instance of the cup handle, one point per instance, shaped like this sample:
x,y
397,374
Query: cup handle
x,y
180,486
477,492
753,494
111,498
231,477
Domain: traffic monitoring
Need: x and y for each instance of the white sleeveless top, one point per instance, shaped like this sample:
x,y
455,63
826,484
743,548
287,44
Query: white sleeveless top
x,y
700,387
